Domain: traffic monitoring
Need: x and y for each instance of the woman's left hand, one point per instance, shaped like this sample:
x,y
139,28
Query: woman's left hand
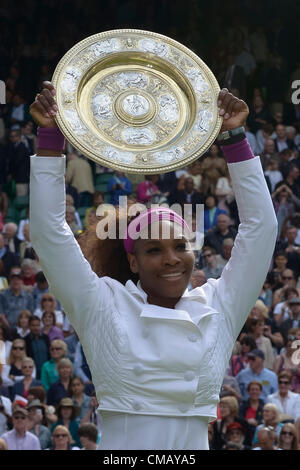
x,y
233,110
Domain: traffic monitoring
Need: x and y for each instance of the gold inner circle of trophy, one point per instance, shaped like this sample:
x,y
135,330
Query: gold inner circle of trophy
x,y
133,109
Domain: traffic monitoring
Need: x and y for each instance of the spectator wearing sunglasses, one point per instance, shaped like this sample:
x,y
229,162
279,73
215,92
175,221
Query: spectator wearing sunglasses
x,y
284,361
287,280
240,361
62,439
22,387
49,374
19,438
287,401
12,371
258,372
288,439
49,304
211,268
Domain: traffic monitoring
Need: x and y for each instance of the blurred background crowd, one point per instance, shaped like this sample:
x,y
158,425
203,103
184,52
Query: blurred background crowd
x,y
47,398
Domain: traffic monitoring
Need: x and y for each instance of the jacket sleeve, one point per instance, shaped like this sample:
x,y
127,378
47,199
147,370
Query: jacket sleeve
x,y
69,274
243,276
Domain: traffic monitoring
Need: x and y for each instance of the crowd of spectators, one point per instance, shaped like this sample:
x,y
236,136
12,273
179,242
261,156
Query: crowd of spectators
x,y
47,398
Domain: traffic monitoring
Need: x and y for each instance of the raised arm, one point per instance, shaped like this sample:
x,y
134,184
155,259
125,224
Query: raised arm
x,y
243,276
70,276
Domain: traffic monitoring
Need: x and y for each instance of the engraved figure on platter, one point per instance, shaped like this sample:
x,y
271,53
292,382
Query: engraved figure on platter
x,y
101,106
135,105
109,45
76,124
196,77
168,108
69,82
155,47
135,136
132,79
204,120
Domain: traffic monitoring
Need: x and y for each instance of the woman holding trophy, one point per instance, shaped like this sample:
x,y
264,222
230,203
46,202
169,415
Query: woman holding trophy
x,y
157,352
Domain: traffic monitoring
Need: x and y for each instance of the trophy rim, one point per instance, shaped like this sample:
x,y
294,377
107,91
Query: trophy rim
x,y
126,168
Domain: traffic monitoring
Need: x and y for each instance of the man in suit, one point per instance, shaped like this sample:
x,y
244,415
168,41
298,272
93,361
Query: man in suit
x,y
19,162
281,141
37,344
294,320
188,195
8,258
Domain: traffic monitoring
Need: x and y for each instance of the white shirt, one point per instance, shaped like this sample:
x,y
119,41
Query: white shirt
x,y
290,406
147,361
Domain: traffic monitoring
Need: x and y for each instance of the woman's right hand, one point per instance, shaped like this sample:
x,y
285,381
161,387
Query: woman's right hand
x,y
44,108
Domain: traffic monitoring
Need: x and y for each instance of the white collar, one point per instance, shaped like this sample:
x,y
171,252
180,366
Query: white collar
x,y
137,290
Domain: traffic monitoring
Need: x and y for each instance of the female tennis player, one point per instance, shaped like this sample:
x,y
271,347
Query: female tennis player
x,y
157,352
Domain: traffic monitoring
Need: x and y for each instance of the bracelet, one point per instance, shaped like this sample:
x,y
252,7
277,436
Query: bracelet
x,y
226,135
50,138
232,140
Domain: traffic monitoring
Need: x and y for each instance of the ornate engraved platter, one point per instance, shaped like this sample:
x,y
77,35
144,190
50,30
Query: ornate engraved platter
x,y
136,101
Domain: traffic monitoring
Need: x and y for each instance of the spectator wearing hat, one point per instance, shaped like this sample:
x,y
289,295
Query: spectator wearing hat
x,y
37,344
19,438
236,433
294,320
39,393
287,401
35,417
14,299
252,409
271,419
67,413
49,374
61,388
259,373
88,434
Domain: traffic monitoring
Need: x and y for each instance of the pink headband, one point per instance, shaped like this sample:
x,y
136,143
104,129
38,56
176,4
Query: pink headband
x,y
148,217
